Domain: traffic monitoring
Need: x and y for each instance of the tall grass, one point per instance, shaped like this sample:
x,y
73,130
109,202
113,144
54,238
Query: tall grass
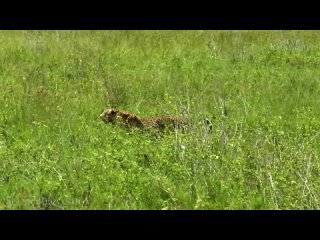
x,y
260,89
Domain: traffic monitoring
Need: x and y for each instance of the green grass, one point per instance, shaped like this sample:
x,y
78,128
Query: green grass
x,y
260,89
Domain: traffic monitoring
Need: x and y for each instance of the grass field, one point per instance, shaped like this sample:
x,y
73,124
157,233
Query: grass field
x,y
260,89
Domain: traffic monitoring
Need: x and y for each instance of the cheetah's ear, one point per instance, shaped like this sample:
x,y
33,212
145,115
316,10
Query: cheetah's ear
x,y
208,123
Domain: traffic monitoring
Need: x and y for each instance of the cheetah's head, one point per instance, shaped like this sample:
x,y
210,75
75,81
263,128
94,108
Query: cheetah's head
x,y
109,115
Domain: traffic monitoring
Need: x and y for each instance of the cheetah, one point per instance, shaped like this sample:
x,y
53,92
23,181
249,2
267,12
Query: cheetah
x,y
114,116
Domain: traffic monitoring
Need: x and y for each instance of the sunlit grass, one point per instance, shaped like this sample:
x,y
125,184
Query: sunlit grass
x,y
260,90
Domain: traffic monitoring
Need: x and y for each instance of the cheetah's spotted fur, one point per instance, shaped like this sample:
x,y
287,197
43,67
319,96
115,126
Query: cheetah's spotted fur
x,y
161,123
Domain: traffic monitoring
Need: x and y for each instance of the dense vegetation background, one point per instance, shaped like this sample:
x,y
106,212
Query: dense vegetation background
x,y
260,89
